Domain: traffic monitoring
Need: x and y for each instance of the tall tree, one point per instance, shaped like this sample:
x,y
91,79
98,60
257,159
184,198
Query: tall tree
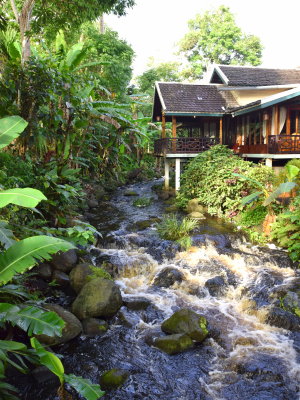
x,y
214,37
166,72
34,16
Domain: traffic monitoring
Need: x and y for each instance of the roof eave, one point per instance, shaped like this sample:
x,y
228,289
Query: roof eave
x,y
193,114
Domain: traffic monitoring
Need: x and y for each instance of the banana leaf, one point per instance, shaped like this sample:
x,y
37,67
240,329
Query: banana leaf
x,y
283,188
32,320
84,387
27,252
6,235
25,197
10,129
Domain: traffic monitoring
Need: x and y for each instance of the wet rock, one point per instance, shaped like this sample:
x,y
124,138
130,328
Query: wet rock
x,y
43,271
171,209
60,278
98,298
92,202
173,344
71,329
99,192
130,193
65,261
144,224
216,286
167,277
113,378
163,195
291,301
136,303
42,375
94,326
126,318
78,276
194,206
283,319
188,322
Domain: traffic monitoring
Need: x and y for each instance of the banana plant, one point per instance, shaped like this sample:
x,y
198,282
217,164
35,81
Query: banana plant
x,y
83,386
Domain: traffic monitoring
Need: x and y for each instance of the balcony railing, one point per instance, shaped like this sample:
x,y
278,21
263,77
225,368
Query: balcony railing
x,y
191,145
284,144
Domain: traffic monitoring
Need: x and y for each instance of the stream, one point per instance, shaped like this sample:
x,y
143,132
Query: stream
x,y
234,284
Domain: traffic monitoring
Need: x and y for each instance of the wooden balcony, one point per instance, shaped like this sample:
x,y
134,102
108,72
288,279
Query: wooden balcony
x,y
277,144
190,145
284,144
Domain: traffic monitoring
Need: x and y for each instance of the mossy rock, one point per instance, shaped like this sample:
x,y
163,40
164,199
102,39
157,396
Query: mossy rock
x,y
146,223
194,206
130,193
113,378
98,298
173,344
79,276
188,322
196,215
171,209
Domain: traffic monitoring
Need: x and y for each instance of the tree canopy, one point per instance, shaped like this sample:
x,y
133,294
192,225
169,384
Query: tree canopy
x,y
166,71
214,37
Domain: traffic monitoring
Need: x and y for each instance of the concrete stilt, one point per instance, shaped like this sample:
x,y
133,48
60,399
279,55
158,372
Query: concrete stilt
x,y
177,173
269,162
167,174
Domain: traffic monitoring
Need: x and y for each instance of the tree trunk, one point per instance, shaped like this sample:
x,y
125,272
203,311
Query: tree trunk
x,y
24,20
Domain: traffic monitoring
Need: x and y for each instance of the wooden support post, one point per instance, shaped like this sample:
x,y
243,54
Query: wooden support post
x,y
167,174
174,134
297,122
177,174
163,126
288,122
276,120
221,131
174,127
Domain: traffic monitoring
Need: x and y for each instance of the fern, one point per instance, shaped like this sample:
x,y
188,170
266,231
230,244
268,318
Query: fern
x,y
26,253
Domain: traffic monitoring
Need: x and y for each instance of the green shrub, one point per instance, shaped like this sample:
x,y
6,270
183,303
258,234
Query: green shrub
x,y
286,230
208,177
171,228
253,216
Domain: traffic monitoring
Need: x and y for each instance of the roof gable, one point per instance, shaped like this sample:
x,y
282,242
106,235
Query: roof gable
x,y
193,99
257,76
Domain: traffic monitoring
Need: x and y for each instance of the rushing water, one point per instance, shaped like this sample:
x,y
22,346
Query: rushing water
x,y
243,358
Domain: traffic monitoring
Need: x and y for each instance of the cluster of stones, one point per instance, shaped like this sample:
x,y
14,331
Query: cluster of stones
x,y
184,328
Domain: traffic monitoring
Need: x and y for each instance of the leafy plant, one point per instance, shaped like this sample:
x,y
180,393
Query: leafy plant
x,y
171,228
83,386
98,272
286,230
253,216
142,202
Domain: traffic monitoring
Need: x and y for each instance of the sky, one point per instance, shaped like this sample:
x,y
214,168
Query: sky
x,y
153,27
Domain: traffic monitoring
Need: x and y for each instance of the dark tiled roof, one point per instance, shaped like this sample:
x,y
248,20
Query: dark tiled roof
x,y
255,76
190,98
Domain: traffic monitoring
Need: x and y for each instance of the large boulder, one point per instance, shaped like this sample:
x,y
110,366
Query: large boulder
x,y
167,277
136,303
173,344
187,321
79,276
98,298
65,261
71,329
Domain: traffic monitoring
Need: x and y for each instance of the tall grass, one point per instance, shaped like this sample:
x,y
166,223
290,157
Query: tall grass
x,y
172,228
